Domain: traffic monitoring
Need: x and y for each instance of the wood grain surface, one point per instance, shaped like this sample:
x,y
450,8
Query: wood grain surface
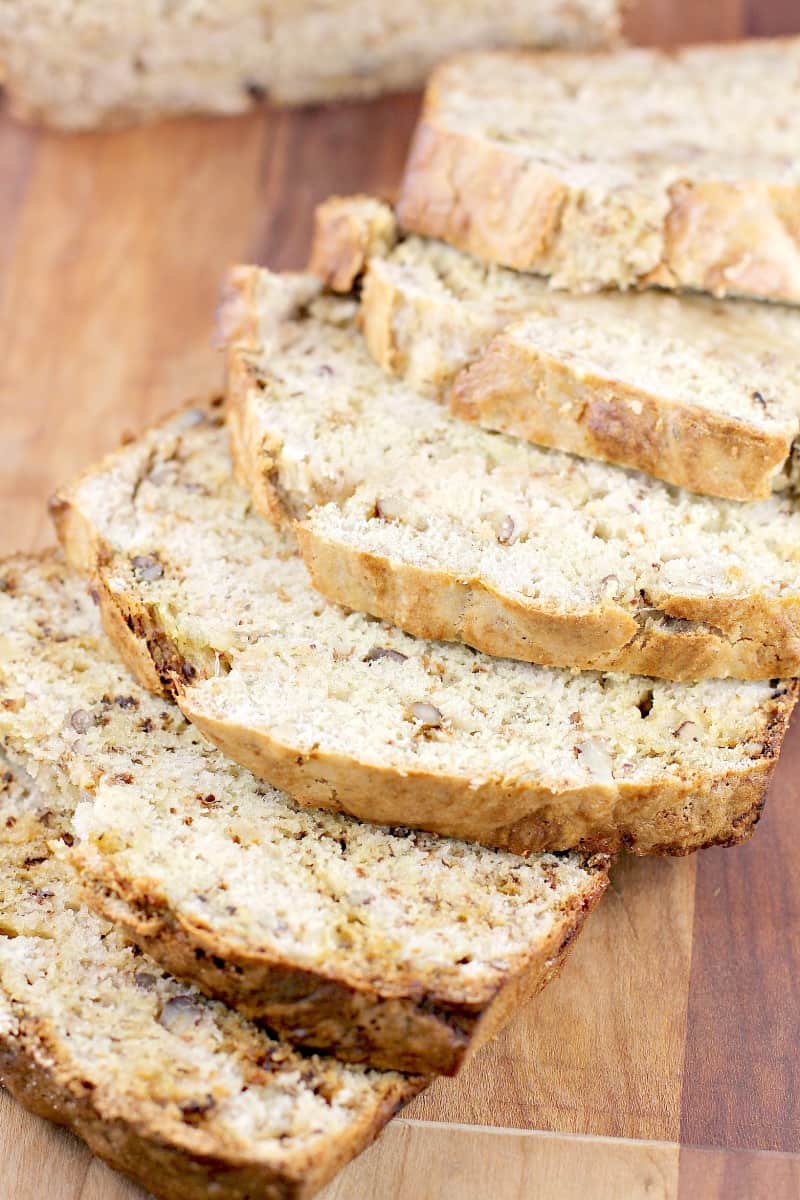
x,y
664,1061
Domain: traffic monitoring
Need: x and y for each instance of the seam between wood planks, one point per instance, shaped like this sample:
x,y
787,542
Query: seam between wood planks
x,y
549,1134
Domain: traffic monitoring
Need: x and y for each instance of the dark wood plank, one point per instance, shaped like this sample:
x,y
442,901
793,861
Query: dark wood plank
x,y
772,17
741,1066
17,149
728,1175
310,155
669,22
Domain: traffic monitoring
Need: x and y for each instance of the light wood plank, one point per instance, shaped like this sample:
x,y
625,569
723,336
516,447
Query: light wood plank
x,y
430,1162
39,1160
107,312
731,1175
601,1050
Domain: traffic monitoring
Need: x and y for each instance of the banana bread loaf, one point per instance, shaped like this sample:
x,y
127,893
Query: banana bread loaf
x,y
81,63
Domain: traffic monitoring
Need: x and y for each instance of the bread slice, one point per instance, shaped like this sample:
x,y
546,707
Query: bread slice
x,y
343,712
385,946
453,532
82,63
675,168
702,393
183,1095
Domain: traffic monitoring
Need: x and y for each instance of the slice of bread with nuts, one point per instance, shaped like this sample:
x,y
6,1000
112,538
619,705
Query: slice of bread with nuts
x,y
383,946
78,64
699,392
344,712
670,167
185,1096
453,532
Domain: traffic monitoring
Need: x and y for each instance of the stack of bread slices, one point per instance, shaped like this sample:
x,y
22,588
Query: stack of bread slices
x,y
322,730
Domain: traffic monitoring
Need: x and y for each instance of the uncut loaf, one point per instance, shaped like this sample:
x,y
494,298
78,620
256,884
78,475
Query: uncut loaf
x,y
702,393
670,167
81,63
382,946
206,599
453,532
183,1095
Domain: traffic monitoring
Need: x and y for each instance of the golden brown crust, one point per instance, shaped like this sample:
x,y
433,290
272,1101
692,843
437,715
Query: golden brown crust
x,y
729,238
253,463
515,387
41,1079
380,302
521,390
674,816
348,232
494,204
732,240
246,321
753,637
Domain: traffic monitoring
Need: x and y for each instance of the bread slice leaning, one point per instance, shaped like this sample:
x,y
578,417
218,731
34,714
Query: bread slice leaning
x,y
81,63
344,712
178,1092
639,167
702,393
457,533
381,946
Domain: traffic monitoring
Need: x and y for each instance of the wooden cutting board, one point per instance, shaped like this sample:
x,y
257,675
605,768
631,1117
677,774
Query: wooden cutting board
x,y
664,1062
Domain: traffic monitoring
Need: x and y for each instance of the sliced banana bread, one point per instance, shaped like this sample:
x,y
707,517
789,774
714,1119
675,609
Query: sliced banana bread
x,y
206,598
453,532
179,1092
81,63
385,946
676,168
702,393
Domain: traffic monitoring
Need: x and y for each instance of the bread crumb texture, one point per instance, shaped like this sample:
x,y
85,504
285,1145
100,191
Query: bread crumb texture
x,y
178,1091
79,63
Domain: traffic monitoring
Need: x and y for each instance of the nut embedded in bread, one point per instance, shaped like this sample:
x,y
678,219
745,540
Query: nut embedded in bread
x,y
344,712
674,168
